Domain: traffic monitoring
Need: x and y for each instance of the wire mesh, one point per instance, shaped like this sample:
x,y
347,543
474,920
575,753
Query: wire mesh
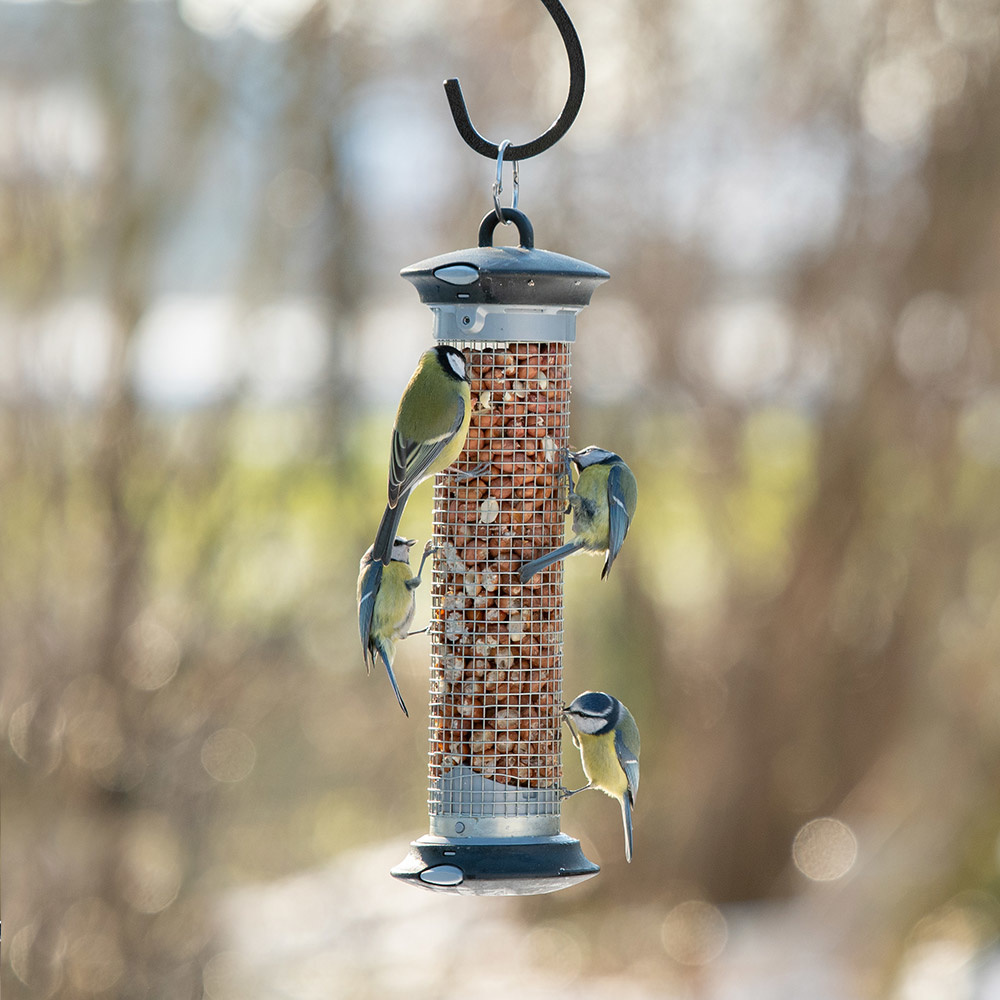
x,y
496,644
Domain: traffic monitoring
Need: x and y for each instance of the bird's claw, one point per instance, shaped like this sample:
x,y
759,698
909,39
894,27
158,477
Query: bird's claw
x,y
474,473
568,472
429,547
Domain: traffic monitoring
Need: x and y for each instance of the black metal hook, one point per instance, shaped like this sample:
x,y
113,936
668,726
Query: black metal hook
x,y
456,100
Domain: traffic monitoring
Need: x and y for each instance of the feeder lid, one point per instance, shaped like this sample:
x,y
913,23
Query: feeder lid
x,y
518,275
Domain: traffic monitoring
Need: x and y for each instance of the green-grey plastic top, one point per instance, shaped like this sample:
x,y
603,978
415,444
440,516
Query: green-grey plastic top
x,y
492,275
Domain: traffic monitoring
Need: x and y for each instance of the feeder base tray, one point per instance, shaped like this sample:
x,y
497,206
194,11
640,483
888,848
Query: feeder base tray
x,y
501,866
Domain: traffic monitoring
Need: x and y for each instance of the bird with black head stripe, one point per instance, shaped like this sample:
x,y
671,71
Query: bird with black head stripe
x,y
603,503
607,737
428,435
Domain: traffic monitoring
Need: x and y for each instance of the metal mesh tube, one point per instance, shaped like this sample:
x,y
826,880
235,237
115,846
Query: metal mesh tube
x,y
496,644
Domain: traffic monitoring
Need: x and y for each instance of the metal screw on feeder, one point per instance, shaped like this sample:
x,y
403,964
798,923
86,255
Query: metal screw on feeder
x,y
494,772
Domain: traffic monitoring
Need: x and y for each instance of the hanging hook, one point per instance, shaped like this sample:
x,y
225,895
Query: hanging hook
x,y
459,111
498,183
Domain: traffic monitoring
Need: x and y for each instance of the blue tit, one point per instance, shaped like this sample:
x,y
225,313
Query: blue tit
x,y
608,740
387,602
429,433
603,505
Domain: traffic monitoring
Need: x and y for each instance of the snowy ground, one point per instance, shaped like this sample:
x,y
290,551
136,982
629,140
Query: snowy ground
x,y
351,931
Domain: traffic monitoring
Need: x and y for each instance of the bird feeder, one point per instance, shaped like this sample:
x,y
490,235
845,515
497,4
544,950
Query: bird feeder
x,y
494,771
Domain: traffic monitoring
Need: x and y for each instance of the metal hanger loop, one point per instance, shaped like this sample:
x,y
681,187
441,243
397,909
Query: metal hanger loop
x,y
459,111
498,184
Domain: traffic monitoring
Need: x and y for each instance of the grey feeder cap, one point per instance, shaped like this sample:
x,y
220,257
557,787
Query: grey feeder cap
x,y
489,275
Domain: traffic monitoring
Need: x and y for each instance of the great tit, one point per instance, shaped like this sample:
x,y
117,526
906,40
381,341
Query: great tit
x,y
387,603
603,505
608,740
429,433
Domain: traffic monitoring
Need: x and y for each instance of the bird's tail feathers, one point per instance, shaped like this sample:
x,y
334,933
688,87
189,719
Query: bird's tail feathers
x,y
392,678
386,534
608,560
529,569
627,822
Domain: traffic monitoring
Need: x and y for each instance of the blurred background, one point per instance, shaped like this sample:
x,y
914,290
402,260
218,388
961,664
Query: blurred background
x,y
204,207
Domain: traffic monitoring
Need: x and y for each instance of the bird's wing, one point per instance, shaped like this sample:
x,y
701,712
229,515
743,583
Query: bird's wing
x,y
410,460
368,586
629,761
618,519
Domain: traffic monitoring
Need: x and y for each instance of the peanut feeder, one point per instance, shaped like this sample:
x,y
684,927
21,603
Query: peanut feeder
x,y
494,769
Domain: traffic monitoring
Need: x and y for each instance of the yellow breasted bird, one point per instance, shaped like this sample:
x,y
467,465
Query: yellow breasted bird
x,y
429,433
603,503
608,740
387,602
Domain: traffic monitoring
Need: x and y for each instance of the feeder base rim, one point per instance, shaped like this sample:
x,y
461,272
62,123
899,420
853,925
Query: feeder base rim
x,y
495,866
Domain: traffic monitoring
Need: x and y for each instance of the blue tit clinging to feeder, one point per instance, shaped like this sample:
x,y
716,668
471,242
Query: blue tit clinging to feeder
x,y
608,740
429,433
603,505
387,602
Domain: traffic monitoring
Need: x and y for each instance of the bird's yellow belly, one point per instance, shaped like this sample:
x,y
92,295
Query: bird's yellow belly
x,y
395,605
602,769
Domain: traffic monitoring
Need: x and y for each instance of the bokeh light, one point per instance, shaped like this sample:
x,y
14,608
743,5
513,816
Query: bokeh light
x,y
155,654
825,849
228,755
151,866
932,336
743,347
979,428
559,948
897,99
694,932
94,961
940,958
